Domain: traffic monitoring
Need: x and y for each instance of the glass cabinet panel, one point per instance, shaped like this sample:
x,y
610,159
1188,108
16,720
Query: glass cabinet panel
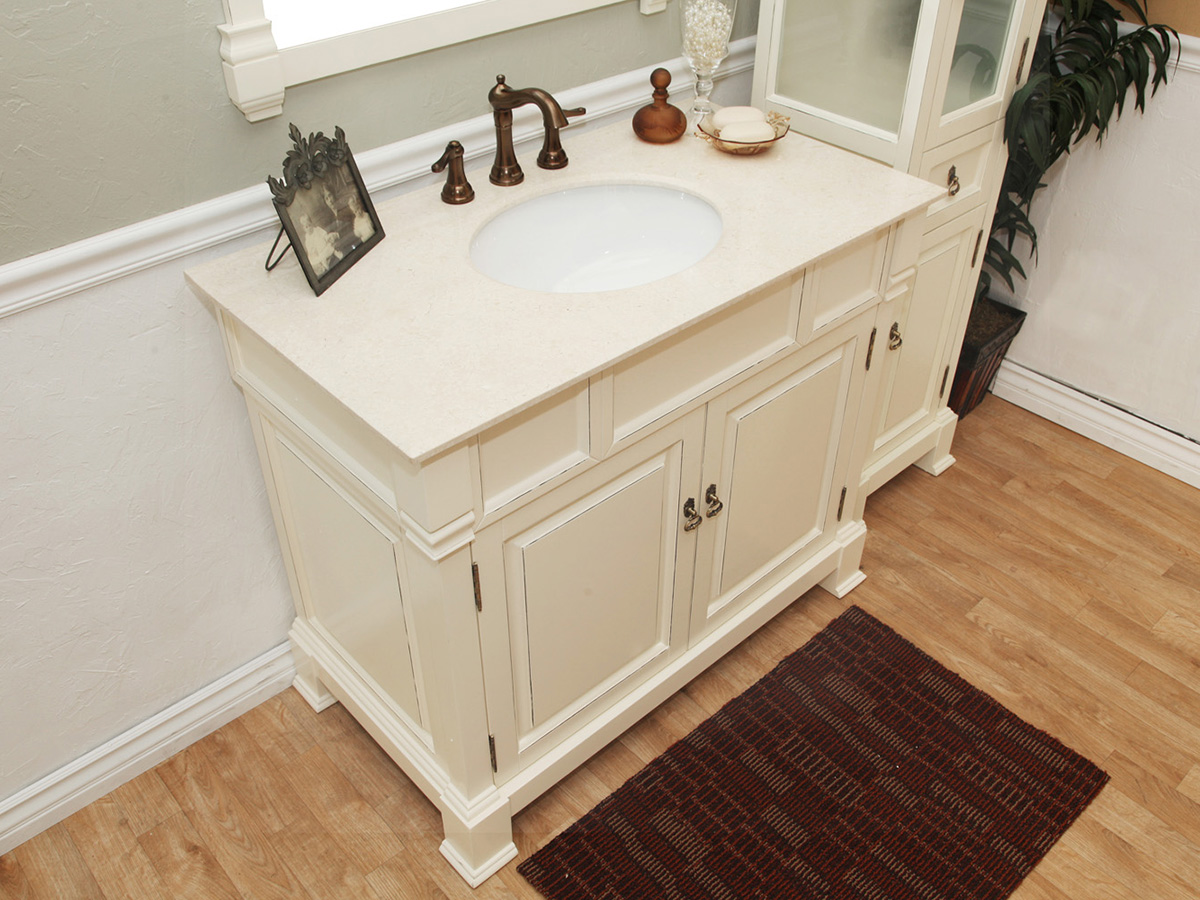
x,y
979,52
850,58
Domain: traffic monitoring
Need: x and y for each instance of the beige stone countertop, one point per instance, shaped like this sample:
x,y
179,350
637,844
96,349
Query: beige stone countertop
x,y
429,352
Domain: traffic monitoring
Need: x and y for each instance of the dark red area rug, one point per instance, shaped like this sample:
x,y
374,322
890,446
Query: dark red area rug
x,y
858,768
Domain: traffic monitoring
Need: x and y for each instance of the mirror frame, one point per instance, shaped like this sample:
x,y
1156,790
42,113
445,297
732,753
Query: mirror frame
x,y
257,71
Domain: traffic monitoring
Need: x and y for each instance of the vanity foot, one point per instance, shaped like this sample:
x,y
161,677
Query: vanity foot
x,y
847,576
938,460
480,846
307,682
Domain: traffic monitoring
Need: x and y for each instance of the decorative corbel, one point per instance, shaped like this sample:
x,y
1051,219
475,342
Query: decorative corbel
x,y
250,59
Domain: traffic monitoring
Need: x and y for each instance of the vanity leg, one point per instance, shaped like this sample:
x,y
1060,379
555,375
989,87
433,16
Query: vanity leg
x,y
847,576
307,682
478,841
938,460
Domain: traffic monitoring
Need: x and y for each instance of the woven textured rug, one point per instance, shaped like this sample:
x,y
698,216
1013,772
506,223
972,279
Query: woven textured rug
x,y
858,768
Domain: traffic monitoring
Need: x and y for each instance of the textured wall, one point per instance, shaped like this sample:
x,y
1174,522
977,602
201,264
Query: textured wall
x,y
117,112
1112,301
138,557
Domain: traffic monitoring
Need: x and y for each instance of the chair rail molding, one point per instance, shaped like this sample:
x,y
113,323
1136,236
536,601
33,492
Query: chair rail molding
x,y
257,71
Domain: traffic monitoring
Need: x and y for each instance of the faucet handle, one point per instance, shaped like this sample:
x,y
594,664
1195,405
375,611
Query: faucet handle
x,y
457,189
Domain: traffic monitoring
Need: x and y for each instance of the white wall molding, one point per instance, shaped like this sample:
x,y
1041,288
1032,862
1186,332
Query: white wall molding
x,y
392,169
1106,424
72,787
1189,54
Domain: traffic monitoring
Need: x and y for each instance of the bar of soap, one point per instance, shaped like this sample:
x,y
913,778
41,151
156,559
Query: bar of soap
x,y
747,132
729,115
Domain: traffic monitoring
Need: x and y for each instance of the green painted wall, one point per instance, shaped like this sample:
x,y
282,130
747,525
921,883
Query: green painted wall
x,y
117,112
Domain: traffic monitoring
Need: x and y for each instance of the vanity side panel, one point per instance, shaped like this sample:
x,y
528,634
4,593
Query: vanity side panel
x,y
348,577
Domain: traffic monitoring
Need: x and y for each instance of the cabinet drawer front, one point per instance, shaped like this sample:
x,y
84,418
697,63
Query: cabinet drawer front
x,y
969,168
534,447
658,381
843,283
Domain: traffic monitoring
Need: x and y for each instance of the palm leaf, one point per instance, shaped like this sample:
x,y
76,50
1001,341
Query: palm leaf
x,y
1079,80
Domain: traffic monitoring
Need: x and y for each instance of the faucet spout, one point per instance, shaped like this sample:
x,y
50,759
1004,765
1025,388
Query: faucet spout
x,y
504,99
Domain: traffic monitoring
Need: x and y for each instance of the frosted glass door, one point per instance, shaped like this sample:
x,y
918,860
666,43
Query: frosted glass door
x,y
848,72
992,40
980,52
849,58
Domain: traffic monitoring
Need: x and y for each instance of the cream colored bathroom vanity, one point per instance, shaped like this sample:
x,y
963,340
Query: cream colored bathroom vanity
x,y
516,521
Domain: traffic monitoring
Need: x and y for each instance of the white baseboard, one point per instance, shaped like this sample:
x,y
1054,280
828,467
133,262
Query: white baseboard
x,y
1136,438
387,171
91,776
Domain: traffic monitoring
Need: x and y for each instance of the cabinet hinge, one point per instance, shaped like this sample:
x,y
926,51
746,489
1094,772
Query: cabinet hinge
x,y
945,375
492,751
871,347
841,505
478,593
975,254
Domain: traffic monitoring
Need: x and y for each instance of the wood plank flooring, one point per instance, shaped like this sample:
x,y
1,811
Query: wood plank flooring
x,y
1060,577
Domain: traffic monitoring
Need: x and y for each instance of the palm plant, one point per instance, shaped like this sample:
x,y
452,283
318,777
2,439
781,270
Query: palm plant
x,y
1080,77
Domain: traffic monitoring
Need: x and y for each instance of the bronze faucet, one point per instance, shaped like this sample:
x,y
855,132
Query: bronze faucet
x,y
506,170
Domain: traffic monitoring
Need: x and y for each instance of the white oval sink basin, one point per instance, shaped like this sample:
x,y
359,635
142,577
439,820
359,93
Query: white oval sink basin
x,y
596,238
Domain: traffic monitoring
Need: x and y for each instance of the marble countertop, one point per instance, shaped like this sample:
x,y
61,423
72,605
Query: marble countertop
x,y
429,352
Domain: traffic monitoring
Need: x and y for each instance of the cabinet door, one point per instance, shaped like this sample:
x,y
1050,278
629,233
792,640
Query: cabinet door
x,y
584,592
916,331
850,73
984,58
773,472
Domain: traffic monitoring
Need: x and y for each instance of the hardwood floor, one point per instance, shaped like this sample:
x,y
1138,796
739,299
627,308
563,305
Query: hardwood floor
x,y
1059,576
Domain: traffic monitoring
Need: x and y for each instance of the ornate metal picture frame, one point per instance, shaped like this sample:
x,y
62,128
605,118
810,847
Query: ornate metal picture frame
x,y
324,208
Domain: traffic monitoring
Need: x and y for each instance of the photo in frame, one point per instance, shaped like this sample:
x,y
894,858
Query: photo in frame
x,y
324,208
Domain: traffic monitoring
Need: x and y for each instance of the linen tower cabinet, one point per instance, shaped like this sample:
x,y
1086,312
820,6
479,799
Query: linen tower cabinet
x,y
923,86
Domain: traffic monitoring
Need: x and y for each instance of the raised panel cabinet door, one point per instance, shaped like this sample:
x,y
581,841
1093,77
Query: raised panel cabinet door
x,y
915,333
771,472
584,591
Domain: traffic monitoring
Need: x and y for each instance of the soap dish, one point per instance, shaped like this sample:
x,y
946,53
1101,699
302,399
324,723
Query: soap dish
x,y
779,122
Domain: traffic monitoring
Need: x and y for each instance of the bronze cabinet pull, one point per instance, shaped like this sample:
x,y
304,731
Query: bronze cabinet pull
x,y
714,502
692,519
952,183
894,338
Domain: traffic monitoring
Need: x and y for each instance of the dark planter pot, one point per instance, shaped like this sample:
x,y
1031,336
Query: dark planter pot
x,y
990,331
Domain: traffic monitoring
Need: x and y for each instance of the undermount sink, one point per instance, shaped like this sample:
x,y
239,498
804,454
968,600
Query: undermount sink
x,y
596,238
